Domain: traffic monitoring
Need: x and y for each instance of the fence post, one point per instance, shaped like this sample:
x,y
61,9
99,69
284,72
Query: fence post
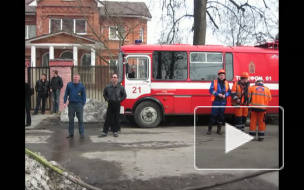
x,y
64,68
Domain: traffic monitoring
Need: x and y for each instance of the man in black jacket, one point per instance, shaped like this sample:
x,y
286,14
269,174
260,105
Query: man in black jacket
x,y
42,88
28,95
113,93
55,87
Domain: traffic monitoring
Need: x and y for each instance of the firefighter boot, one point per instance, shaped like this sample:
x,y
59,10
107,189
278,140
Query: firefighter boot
x,y
209,129
219,126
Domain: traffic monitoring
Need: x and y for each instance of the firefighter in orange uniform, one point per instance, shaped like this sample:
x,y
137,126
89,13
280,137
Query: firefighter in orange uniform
x,y
220,92
239,98
259,96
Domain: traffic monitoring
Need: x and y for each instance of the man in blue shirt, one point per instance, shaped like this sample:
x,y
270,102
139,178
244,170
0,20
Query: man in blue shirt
x,y
220,91
76,94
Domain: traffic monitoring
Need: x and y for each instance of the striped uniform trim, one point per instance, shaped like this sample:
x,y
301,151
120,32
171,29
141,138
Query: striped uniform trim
x,y
255,104
258,94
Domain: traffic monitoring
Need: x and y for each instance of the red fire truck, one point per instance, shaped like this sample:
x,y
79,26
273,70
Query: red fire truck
x,y
163,80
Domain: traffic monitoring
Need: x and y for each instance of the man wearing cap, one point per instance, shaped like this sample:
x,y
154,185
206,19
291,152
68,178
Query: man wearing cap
x,y
239,98
220,91
259,95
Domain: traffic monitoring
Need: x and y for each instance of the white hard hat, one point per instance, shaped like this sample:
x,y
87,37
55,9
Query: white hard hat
x,y
259,80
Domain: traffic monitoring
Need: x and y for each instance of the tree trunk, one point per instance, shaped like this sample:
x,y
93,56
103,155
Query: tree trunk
x,y
200,10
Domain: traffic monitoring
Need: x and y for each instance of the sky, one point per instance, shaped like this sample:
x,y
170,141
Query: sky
x,y
186,24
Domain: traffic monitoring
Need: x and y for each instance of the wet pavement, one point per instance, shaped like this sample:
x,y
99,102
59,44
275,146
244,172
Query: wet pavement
x,y
138,157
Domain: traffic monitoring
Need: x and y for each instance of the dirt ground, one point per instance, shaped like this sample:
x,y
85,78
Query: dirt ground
x,y
107,174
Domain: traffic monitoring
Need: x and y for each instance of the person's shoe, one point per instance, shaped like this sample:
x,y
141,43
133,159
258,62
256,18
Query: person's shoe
x,y
219,126
34,113
70,136
82,136
28,124
115,134
260,139
103,134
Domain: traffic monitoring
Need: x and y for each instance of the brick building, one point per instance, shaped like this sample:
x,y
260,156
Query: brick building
x,y
89,32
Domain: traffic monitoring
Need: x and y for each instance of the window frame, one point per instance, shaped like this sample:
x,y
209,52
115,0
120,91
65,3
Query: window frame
x,y
27,30
82,61
205,62
74,25
45,54
85,26
168,79
141,34
117,36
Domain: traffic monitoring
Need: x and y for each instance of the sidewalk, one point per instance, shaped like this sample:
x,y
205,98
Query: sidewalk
x,y
36,119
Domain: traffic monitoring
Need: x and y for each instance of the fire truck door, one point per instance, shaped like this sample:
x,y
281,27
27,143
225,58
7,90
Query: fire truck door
x,y
138,79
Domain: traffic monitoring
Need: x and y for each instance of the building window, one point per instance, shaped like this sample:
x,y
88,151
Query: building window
x,y
45,60
80,26
141,34
116,33
30,31
55,25
113,62
67,25
77,26
66,55
86,59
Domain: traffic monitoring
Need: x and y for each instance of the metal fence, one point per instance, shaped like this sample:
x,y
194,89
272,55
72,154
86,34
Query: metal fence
x,y
95,79
34,74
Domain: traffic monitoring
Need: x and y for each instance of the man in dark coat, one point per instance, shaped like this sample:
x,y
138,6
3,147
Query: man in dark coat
x,y
28,94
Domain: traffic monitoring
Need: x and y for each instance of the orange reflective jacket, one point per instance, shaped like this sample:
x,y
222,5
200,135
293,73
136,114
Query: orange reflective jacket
x,y
238,91
259,96
215,88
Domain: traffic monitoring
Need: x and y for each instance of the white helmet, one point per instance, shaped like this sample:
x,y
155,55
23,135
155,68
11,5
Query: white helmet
x,y
258,80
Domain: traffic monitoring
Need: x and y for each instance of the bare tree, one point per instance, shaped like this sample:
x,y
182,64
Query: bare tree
x,y
252,21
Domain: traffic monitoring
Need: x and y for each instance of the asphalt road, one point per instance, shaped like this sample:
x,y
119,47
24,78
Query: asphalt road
x,y
167,157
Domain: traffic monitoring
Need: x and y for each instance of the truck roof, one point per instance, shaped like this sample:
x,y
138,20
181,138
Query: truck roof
x,y
261,48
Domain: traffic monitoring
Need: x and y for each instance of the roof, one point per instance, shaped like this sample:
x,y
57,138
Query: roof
x,y
110,8
183,47
131,9
28,9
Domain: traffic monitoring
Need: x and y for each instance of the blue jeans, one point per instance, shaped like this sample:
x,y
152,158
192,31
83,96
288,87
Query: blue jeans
x,y
217,114
55,99
75,107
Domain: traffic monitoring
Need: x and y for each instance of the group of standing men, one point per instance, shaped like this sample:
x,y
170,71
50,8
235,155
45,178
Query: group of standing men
x,y
241,95
75,93
42,88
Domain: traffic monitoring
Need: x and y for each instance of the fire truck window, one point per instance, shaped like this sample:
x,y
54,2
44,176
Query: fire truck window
x,y
229,66
204,65
170,65
137,69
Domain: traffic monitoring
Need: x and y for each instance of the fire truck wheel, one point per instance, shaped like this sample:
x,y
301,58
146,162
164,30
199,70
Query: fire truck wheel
x,y
147,114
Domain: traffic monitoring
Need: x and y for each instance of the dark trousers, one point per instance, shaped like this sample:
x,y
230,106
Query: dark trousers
x,y
40,97
217,113
75,108
28,111
112,117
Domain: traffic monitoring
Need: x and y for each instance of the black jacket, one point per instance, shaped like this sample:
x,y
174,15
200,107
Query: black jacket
x,y
42,87
28,93
114,94
56,83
